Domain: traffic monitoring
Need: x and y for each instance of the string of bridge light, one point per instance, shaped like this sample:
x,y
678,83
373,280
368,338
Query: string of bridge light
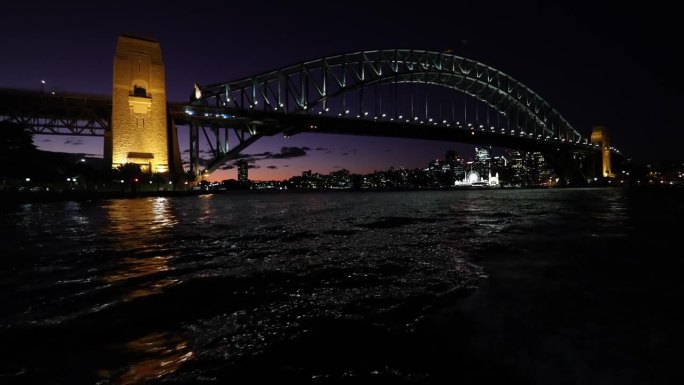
x,y
416,120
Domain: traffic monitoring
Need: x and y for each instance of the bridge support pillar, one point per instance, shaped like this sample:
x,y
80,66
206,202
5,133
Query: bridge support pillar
x,y
599,136
194,151
175,162
140,132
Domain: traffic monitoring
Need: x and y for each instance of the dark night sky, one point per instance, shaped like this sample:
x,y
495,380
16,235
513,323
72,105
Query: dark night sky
x,y
608,63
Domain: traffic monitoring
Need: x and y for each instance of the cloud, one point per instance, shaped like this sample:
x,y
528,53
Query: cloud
x,y
46,140
202,161
289,152
74,142
253,166
287,165
285,153
320,149
252,157
345,153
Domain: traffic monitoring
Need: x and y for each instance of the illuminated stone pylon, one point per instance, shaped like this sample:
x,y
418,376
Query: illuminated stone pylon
x,y
140,132
599,135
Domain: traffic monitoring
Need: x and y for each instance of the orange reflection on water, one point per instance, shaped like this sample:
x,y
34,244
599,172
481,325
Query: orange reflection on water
x,y
139,228
139,223
135,268
139,267
155,288
162,355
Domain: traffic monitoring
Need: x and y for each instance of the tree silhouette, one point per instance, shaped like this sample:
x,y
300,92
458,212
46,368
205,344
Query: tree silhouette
x,y
14,138
190,176
158,179
132,174
16,147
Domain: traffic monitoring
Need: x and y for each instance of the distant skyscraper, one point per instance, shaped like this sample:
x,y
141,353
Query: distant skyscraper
x,y
499,165
483,154
435,165
455,163
483,157
545,174
519,170
242,167
450,157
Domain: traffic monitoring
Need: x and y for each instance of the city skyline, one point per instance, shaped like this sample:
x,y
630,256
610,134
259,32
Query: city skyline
x,y
574,66
269,162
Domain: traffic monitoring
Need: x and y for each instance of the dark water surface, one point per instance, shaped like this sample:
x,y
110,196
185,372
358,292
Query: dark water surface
x,y
510,286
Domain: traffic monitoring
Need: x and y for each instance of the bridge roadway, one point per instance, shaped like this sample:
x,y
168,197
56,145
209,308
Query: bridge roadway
x,y
81,114
65,114
272,123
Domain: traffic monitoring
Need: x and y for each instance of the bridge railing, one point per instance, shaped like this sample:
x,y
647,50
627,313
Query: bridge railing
x,y
45,113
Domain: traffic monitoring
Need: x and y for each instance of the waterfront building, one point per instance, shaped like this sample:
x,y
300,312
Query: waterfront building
x,y
242,167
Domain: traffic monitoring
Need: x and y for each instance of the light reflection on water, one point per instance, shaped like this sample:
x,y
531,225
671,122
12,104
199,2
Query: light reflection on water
x,y
134,268
160,355
135,221
139,228
142,228
163,284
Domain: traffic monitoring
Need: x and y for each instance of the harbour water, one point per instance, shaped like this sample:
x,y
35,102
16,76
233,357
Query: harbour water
x,y
560,286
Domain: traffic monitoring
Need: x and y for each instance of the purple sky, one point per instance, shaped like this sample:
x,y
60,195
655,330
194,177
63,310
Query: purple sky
x,y
612,64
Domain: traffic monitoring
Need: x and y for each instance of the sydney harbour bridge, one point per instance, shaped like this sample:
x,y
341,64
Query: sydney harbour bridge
x,y
393,93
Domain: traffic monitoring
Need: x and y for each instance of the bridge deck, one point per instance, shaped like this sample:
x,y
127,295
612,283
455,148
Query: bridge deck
x,y
79,114
65,114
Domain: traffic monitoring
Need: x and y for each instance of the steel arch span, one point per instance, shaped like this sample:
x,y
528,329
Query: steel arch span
x,y
374,86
